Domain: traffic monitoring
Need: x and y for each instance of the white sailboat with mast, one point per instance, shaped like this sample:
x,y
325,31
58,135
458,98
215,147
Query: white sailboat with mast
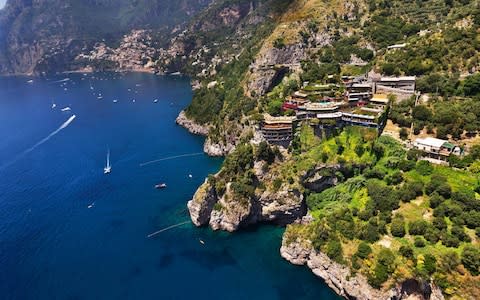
x,y
108,167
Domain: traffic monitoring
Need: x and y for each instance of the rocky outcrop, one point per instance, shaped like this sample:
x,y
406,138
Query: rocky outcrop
x,y
201,206
343,282
231,212
191,125
282,207
217,149
321,177
271,64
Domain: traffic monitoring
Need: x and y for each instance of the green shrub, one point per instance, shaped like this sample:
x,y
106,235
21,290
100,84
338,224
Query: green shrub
x,y
398,227
430,264
334,250
417,227
363,250
419,242
424,168
471,259
406,251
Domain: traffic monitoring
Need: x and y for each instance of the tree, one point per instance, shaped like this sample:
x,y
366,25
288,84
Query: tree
x,y
432,235
440,223
419,242
436,200
430,264
406,251
472,219
363,250
450,240
398,226
449,261
471,259
383,267
265,153
471,85
403,133
424,168
383,197
334,250
394,178
459,232
422,113
417,227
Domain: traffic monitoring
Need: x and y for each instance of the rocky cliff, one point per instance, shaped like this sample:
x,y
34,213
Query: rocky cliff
x,y
280,205
348,285
228,212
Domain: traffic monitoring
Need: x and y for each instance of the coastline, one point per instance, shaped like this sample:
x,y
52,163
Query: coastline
x,y
347,285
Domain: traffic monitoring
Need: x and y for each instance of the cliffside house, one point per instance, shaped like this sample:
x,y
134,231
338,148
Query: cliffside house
x,y
401,86
358,92
277,130
311,110
293,103
436,148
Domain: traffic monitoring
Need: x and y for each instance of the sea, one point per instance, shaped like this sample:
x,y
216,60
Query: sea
x,y
69,231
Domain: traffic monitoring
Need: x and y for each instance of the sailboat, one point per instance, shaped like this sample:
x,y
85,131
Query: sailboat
x,y
108,167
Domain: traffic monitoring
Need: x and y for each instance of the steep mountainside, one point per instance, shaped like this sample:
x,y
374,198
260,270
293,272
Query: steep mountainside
x,y
45,35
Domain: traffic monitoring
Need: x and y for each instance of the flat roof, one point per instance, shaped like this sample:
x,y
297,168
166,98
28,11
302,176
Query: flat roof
x,y
401,78
278,120
431,141
329,115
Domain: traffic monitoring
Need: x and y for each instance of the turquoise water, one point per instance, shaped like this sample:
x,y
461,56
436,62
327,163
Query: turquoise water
x,y
67,231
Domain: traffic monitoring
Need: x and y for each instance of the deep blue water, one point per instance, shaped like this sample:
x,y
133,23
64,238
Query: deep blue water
x,y
52,246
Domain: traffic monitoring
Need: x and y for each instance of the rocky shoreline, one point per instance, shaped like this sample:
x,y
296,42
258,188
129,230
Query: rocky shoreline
x,y
191,126
210,148
348,285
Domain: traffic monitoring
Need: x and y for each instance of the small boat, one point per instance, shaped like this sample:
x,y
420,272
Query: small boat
x,y
53,105
108,167
160,186
99,97
30,81
155,101
66,108
115,101
91,205
133,100
190,176
201,241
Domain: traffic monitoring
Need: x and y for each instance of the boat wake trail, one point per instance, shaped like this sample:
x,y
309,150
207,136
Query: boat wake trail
x,y
63,126
63,80
169,158
168,228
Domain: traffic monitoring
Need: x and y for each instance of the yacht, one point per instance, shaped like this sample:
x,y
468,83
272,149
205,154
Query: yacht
x,y
160,186
108,167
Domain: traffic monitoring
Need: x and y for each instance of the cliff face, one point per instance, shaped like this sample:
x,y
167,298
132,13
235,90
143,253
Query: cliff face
x,y
351,286
282,206
229,213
